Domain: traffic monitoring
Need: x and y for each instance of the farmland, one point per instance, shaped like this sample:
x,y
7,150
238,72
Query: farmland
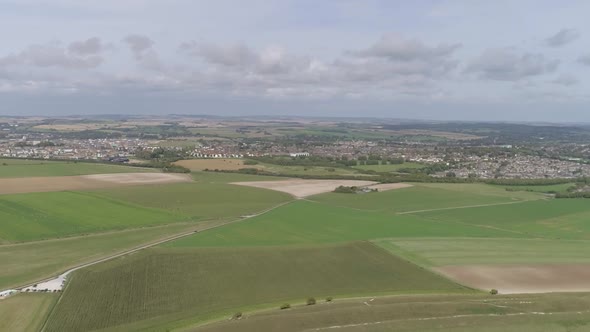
x,y
25,312
324,245
447,313
157,286
37,216
19,168
28,262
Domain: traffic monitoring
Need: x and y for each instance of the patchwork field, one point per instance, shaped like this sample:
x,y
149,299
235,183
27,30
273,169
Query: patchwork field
x,y
446,313
25,312
180,286
86,182
302,188
37,216
29,262
522,278
20,168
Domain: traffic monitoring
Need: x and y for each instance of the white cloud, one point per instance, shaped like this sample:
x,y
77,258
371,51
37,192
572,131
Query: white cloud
x,y
508,65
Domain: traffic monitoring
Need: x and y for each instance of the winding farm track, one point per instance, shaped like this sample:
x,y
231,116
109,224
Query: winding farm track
x,y
57,282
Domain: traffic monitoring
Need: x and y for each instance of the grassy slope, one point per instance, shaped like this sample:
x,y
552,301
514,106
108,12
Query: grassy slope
x,y
559,218
29,262
25,312
16,168
426,196
442,313
36,216
464,251
201,200
160,286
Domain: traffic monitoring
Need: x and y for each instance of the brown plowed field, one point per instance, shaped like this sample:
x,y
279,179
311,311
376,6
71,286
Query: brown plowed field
x,y
303,188
514,279
86,182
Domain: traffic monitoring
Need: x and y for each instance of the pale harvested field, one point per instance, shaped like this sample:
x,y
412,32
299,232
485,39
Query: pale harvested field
x,y
86,182
389,186
303,188
202,164
515,279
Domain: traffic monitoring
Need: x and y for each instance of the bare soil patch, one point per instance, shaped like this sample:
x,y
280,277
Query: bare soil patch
x,y
515,279
303,188
389,186
202,164
86,182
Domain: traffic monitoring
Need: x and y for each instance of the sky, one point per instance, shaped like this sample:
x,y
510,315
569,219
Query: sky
x,y
471,60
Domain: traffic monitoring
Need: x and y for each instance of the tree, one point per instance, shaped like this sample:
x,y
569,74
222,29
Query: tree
x,y
494,291
311,301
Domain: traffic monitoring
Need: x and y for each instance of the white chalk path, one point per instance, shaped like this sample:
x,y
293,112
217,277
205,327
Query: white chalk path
x,y
57,283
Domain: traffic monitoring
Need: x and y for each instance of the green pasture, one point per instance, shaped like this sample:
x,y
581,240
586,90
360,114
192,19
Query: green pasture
x,y
553,188
553,219
32,261
37,216
199,200
430,313
166,287
25,312
467,251
304,222
425,197
306,170
18,168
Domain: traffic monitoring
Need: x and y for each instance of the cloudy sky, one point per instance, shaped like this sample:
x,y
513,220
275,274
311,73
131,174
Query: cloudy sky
x,y
510,60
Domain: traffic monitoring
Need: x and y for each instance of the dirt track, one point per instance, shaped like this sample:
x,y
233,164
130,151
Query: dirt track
x,y
86,182
303,188
515,279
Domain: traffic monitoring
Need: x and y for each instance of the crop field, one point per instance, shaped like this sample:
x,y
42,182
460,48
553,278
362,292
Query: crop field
x,y
157,286
25,312
305,222
200,200
37,216
554,219
28,262
303,188
86,182
430,313
554,188
19,168
422,197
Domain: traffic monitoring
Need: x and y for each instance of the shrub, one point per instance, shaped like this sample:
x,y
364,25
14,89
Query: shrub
x,y
250,162
494,291
311,301
285,306
237,315
329,299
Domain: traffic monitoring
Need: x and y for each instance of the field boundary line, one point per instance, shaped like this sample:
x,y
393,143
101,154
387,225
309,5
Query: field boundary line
x,y
467,206
153,244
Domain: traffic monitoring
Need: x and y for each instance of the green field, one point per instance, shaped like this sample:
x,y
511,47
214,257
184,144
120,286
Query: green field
x,y
28,262
25,312
390,167
554,188
18,168
554,219
177,286
36,216
466,251
425,197
446,313
200,200
305,222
